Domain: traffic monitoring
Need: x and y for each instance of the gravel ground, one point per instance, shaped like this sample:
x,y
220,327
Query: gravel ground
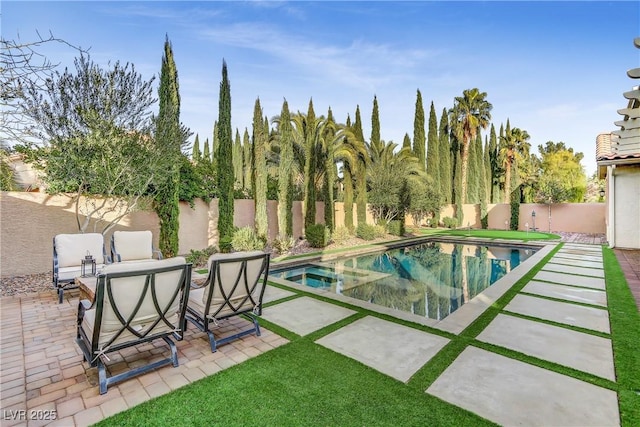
x,y
22,285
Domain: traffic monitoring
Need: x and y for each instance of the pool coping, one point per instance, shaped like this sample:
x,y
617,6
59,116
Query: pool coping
x,y
455,322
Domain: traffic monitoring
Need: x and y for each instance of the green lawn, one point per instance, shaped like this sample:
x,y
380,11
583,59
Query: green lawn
x,y
302,383
491,234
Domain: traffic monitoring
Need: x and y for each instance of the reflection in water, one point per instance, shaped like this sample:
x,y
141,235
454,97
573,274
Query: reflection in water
x,y
431,280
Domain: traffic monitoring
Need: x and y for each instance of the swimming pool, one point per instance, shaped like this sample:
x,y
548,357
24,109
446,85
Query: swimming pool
x,y
430,279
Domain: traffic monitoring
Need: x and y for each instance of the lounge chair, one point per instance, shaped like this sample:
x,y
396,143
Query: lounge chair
x,y
133,246
134,303
235,285
68,252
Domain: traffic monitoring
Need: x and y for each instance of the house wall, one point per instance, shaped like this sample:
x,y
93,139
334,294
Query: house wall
x,y
29,221
626,209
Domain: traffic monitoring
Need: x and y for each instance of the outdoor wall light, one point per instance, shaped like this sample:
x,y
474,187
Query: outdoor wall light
x,y
602,193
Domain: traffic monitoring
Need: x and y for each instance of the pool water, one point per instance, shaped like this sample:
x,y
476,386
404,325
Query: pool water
x,y
430,279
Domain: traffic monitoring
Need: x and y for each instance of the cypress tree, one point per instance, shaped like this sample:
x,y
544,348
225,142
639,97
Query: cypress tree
x,y
215,146
247,156
206,154
433,150
472,173
482,182
375,126
406,142
347,183
310,168
361,173
285,173
419,140
457,191
195,153
330,172
486,160
501,143
260,171
225,164
494,166
446,173
168,135
238,173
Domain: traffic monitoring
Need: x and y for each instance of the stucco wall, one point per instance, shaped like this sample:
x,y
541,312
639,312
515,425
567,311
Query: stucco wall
x,y
29,221
627,207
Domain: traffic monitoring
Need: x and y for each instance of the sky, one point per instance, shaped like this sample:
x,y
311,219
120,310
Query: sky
x,y
554,69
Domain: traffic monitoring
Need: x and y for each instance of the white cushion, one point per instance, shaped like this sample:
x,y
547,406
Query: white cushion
x,y
229,274
72,248
128,290
133,245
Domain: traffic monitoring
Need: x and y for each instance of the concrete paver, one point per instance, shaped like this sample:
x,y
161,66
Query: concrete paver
x,y
572,280
305,314
273,293
575,262
584,256
393,349
568,269
577,350
566,313
510,392
568,293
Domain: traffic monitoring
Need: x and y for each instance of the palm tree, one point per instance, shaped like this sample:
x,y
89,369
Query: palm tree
x,y
515,143
389,173
470,112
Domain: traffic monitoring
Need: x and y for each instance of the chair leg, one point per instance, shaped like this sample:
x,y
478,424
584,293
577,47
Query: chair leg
x,y
102,377
212,341
60,295
174,351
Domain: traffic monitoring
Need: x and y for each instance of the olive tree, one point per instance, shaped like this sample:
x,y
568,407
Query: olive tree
x,y
94,131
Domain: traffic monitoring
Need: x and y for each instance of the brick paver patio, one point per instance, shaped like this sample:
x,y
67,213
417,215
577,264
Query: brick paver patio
x,y
43,373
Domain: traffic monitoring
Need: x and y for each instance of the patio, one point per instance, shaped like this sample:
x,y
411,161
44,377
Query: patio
x,y
43,373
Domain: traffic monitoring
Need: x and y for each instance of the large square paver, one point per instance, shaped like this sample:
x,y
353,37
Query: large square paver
x,y
569,279
566,313
574,349
578,256
394,350
576,262
570,269
305,315
568,293
510,392
272,293
586,248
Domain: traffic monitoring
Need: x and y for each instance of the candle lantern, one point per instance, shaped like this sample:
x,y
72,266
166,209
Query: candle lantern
x,y
88,266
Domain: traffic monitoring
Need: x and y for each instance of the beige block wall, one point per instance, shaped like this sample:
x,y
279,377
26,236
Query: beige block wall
x,y
29,221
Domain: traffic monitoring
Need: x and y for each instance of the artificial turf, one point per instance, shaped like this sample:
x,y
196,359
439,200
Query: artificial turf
x,y
302,383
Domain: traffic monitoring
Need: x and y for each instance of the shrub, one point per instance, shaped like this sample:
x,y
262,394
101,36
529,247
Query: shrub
x,y
225,244
283,244
200,258
379,230
317,235
449,222
341,235
396,228
366,231
246,239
